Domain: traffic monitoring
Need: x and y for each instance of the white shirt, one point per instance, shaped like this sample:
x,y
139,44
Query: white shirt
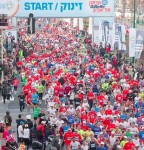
x,y
136,141
59,123
53,120
26,133
51,111
126,124
20,131
71,110
112,140
141,147
74,145
86,106
84,147
134,130
133,120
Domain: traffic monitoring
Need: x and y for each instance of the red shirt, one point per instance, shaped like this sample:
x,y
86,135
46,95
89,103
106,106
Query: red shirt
x,y
77,136
83,118
62,109
100,99
68,136
125,92
80,95
15,82
92,116
26,89
67,89
28,98
108,112
41,127
106,122
61,92
56,91
84,127
90,96
128,146
119,98
110,126
19,64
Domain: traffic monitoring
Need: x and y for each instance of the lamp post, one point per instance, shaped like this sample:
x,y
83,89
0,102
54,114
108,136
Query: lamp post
x,y
134,23
2,54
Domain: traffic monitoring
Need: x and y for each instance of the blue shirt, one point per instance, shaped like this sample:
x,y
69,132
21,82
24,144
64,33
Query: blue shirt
x,y
102,148
35,98
65,128
70,119
141,135
96,109
137,105
90,125
123,116
96,130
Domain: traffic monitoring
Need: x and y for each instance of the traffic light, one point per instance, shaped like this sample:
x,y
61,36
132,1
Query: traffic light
x,y
31,24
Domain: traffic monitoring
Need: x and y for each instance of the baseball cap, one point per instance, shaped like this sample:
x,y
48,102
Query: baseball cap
x,y
119,146
28,117
43,122
112,132
102,143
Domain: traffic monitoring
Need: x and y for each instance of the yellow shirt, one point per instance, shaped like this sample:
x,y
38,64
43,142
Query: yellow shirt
x,y
122,143
141,95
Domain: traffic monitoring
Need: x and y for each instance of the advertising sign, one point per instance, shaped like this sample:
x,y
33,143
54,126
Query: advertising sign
x,y
136,42
57,8
10,34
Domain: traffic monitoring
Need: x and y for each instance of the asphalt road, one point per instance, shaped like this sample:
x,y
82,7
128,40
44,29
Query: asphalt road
x,y
13,107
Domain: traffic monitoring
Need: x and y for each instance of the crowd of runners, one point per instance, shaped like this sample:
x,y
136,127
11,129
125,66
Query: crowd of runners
x,y
94,98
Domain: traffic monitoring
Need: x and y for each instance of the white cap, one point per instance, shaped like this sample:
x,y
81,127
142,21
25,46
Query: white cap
x,y
102,143
119,146
101,132
62,121
125,137
137,145
112,132
28,117
2,122
84,121
43,122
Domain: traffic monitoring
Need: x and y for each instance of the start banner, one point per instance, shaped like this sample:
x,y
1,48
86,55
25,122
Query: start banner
x,y
57,8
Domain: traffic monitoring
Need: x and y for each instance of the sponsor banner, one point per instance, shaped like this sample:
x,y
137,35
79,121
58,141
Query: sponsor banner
x,y
57,8
105,31
11,34
132,42
123,33
116,37
139,43
136,43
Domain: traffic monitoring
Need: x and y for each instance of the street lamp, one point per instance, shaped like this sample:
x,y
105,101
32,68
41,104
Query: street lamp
x,y
134,23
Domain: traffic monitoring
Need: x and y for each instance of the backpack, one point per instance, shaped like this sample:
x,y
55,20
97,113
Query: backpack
x,y
6,120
